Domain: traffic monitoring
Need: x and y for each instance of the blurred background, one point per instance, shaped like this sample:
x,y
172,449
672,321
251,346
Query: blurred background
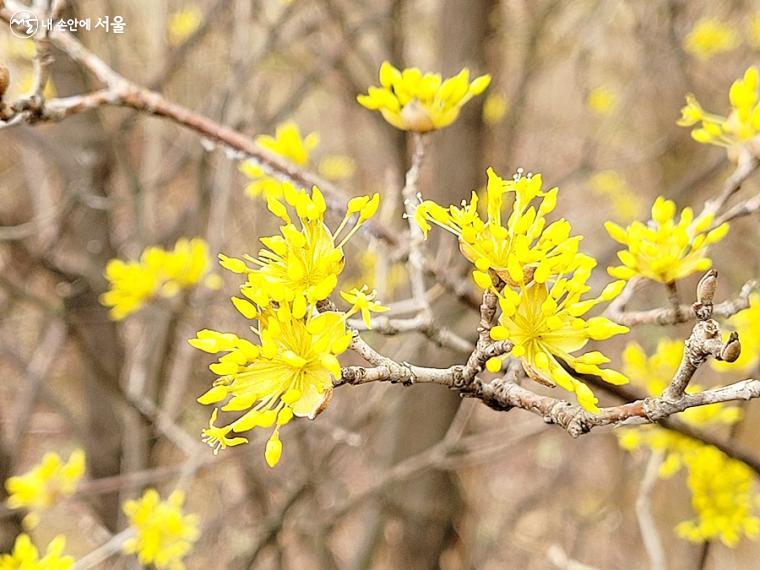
x,y
585,92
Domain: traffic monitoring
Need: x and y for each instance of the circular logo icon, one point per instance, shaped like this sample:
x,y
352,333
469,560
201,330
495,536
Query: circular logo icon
x,y
24,24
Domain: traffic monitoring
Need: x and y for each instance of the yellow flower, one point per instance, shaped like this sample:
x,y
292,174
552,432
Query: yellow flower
x,y
609,184
287,143
495,108
362,300
163,533
216,437
656,372
159,272
601,100
413,101
45,484
747,324
720,486
546,326
722,498
300,265
337,167
26,557
709,37
289,373
664,250
183,23
519,250
742,124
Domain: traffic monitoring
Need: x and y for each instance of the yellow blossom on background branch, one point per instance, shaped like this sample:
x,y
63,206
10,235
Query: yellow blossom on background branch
x,y
722,495
413,101
158,273
742,124
163,534
25,555
45,484
287,143
710,37
665,250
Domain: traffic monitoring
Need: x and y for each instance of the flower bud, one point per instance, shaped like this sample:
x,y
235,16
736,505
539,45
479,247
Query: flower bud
x,y
731,349
706,287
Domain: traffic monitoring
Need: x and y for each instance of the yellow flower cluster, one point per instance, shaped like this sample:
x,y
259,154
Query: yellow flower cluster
x,y
721,487
45,484
747,324
545,275
521,248
546,326
291,371
710,37
413,101
626,205
287,143
742,124
159,272
26,557
722,498
163,534
664,250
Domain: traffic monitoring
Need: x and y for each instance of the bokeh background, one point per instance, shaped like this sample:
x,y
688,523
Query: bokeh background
x,y
585,92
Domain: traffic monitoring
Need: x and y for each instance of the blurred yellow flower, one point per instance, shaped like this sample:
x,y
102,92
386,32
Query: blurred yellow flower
x,y
709,37
626,205
413,101
753,31
742,125
183,23
163,534
602,100
747,324
664,250
722,497
495,108
45,484
26,557
336,167
287,143
159,272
